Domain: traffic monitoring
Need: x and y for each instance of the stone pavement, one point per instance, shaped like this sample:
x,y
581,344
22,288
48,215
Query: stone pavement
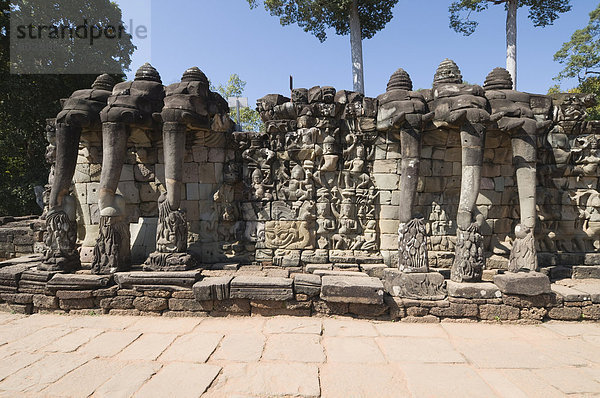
x,y
113,356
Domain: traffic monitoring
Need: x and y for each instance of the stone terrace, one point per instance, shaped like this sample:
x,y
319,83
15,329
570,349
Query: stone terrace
x,y
121,356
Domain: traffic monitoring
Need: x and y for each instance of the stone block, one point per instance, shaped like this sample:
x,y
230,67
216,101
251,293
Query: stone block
x,y
524,283
388,212
74,294
565,313
206,173
498,312
78,282
200,154
129,191
212,288
45,302
346,289
92,192
192,191
335,272
385,166
150,304
190,172
307,284
570,295
216,155
586,271
137,279
150,192
261,288
318,257
82,173
456,310
18,298
482,290
77,304
388,241
118,302
417,285
591,312
386,181
231,306
190,305
374,270
311,268
127,173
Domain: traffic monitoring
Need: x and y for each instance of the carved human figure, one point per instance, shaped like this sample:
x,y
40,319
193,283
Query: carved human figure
x,y
465,108
80,111
133,104
404,110
299,185
354,164
186,107
518,121
325,177
261,186
225,205
258,155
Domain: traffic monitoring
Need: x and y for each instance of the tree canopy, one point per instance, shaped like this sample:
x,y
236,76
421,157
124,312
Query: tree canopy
x,y
581,54
249,118
27,100
316,16
541,12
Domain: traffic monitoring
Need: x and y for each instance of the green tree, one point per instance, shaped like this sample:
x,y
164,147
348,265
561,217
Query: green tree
x,y
541,13
581,54
26,101
581,59
249,118
362,19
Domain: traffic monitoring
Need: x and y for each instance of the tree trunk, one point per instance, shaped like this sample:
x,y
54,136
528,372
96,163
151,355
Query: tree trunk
x,y
356,48
511,40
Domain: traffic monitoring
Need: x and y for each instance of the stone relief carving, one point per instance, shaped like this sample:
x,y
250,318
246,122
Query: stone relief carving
x,y
80,111
464,107
133,104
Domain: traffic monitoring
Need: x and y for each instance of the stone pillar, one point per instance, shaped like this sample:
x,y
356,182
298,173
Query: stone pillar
x,y
518,120
188,105
81,110
112,251
463,107
133,104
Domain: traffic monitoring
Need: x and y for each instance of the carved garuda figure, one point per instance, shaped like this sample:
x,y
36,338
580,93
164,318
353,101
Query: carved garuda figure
x,y
518,121
405,110
465,108
132,105
188,105
80,111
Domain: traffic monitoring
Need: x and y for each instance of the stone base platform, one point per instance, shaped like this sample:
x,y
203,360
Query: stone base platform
x,y
417,285
267,291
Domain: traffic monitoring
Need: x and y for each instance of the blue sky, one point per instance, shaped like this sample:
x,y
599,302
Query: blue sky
x,y
222,37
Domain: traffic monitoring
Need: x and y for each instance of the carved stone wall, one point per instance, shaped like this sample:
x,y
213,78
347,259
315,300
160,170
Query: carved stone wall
x,y
143,180
321,185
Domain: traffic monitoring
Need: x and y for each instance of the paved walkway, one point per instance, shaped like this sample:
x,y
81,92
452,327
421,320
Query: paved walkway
x,y
110,356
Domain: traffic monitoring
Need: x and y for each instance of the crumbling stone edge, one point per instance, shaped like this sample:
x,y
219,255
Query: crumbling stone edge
x,y
295,299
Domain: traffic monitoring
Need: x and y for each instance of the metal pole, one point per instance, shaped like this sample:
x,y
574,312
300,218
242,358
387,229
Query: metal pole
x,y
237,105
